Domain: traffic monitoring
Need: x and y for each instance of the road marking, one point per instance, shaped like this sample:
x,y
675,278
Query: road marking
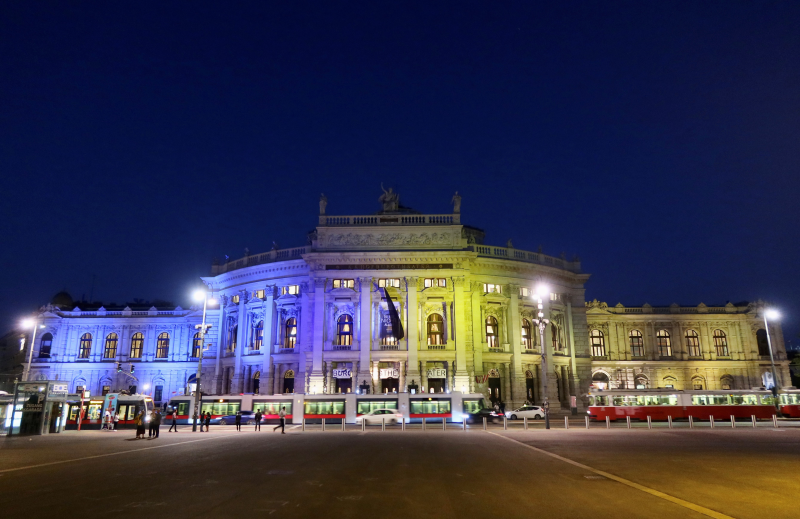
x,y
678,501
108,454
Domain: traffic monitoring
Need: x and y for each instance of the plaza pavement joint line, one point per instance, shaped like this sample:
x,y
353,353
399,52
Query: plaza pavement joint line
x,y
676,500
2,471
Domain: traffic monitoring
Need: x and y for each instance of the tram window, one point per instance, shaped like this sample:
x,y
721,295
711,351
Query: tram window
x,y
786,399
73,412
430,406
272,408
768,400
473,406
221,408
618,400
367,406
324,407
93,411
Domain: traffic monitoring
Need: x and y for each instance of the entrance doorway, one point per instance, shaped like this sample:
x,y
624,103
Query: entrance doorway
x,y
288,382
495,391
530,387
343,385
390,385
436,385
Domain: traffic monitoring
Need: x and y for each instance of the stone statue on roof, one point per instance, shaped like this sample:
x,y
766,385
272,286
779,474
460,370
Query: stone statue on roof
x,y
456,203
323,203
389,199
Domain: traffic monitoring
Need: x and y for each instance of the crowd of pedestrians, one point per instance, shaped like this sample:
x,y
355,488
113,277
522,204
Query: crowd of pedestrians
x,y
153,421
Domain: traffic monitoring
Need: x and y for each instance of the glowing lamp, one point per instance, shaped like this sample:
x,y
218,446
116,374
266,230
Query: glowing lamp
x,y
772,314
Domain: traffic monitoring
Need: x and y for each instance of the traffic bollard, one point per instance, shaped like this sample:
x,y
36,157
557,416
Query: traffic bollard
x,y
323,425
363,425
753,419
566,422
587,421
628,419
649,422
733,422
691,422
464,424
711,419
505,423
304,425
343,425
403,424
423,424
775,421
444,423
484,423
525,422
608,422
383,424
669,420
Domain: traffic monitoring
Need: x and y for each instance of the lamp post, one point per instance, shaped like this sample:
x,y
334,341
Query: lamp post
x,y
30,323
542,323
772,314
200,294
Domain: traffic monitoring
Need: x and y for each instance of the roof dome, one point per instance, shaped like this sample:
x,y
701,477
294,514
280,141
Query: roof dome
x,y
62,300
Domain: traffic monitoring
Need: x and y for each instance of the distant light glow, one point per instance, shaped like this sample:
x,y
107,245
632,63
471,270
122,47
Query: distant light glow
x,y
28,323
199,295
542,291
772,314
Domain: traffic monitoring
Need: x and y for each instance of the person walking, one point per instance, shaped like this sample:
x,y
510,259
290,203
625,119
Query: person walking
x,y
282,425
174,421
208,419
116,420
238,421
258,421
140,425
157,425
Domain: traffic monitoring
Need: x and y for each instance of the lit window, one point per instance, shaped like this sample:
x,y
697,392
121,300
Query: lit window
x,y
664,344
389,283
235,300
637,343
598,342
344,330
162,346
258,335
233,336
290,289
137,345
86,346
693,343
45,345
197,343
721,343
555,297
491,332
527,338
491,288
344,283
259,294
524,291
435,329
435,282
291,333
389,340
110,351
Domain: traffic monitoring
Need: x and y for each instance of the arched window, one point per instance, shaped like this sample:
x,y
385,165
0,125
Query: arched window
x,y
692,343
290,339
197,343
258,335
721,343
233,336
110,350
637,343
726,382
162,345
86,346
763,344
641,382
45,345
344,330
669,382
527,338
435,329
491,332
137,345
698,383
598,342
600,380
663,343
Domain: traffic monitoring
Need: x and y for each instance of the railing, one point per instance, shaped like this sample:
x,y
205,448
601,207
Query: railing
x,y
526,256
391,219
437,346
260,259
677,309
339,347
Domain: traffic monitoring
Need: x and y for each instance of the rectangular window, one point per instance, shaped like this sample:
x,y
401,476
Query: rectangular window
x,y
491,288
157,394
290,289
318,407
272,408
344,283
221,408
389,283
367,406
555,297
259,294
435,282
524,292
106,390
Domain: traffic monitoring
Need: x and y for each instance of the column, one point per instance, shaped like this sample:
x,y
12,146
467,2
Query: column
x,y
329,378
237,380
515,336
412,309
508,395
365,331
376,380
318,320
269,342
552,385
402,378
220,344
460,372
423,376
574,381
477,329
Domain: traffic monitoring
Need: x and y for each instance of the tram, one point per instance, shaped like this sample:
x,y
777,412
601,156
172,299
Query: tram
x,y
659,404
128,408
414,406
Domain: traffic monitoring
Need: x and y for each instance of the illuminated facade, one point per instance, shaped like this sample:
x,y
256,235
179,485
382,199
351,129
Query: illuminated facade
x,y
313,319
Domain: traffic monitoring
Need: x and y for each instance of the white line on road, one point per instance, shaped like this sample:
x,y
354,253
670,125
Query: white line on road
x,y
678,501
108,454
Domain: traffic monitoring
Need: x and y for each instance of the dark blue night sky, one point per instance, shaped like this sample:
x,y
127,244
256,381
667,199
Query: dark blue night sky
x,y
659,141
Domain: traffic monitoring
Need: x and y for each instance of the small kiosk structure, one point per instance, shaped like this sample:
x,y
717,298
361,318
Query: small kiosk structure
x,y
39,407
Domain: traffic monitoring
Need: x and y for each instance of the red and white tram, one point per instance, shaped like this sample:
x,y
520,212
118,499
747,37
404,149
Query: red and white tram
x,y
128,407
659,404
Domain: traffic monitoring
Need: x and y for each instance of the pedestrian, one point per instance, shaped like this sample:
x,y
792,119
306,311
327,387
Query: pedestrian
x,y
208,419
158,423
238,421
258,421
140,425
502,408
116,420
106,420
174,421
151,424
202,420
282,425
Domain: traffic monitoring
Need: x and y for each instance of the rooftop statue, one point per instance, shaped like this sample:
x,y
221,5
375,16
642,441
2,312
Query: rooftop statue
x,y
389,199
456,203
323,203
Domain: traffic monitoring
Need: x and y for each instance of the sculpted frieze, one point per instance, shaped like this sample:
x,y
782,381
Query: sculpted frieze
x,y
386,239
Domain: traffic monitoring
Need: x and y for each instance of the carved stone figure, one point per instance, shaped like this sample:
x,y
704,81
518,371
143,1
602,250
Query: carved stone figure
x,y
509,244
456,203
323,203
389,199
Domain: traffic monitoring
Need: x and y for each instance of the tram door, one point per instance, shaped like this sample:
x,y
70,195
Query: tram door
x,y
390,385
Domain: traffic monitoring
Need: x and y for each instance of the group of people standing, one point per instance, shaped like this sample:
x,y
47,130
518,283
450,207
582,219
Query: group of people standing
x,y
155,418
257,418
110,421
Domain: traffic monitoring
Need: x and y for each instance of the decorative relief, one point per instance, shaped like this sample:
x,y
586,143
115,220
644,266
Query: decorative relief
x,y
386,239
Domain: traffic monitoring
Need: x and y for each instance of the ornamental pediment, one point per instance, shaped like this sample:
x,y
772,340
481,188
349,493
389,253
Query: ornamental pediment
x,y
597,308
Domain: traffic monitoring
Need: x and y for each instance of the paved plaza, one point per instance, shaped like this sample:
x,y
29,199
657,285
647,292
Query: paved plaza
x,y
641,473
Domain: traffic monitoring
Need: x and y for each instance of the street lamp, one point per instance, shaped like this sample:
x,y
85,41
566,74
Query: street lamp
x,y
772,314
200,295
30,323
542,323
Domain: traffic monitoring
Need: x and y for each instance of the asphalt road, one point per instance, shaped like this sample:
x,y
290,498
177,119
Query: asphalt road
x,y
639,473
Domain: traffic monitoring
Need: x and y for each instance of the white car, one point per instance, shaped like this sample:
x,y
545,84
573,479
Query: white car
x,y
375,417
526,411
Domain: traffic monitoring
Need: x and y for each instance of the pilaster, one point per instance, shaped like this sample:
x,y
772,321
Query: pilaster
x,y
460,373
413,320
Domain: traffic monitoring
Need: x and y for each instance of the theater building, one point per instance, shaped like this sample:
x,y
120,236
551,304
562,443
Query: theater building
x,y
314,319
